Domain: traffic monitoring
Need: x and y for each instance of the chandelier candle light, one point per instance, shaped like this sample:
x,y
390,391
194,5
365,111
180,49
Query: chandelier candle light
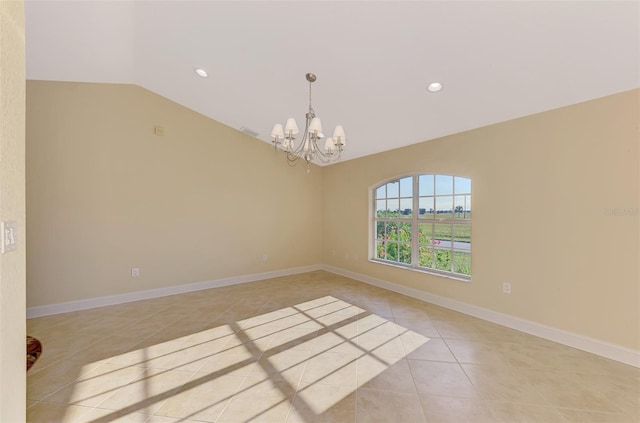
x,y
308,148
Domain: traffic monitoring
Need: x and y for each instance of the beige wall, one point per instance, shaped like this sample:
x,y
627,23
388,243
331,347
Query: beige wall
x,y
205,202
12,208
104,194
541,185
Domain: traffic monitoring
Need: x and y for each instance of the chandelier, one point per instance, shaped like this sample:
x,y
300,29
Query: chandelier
x,y
310,147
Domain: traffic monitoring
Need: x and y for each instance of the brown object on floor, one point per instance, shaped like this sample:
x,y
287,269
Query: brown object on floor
x,y
34,349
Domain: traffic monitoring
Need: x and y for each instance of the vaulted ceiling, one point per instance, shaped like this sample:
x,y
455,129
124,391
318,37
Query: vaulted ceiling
x,y
496,60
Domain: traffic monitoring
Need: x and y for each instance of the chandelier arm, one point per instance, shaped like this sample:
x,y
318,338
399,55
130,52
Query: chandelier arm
x,y
297,151
326,158
292,161
294,156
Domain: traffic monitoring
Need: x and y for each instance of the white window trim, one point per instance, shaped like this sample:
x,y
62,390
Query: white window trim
x,y
414,229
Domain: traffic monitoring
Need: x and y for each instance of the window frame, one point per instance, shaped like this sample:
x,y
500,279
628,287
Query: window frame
x,y
415,221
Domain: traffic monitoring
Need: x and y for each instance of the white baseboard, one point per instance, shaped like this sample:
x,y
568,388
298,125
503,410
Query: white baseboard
x,y
48,310
602,348
592,345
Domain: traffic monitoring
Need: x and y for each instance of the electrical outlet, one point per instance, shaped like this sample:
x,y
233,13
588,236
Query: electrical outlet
x,y
333,253
265,257
135,272
506,287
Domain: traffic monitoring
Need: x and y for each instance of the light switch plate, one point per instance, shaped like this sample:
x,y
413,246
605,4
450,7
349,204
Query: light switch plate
x,y
9,232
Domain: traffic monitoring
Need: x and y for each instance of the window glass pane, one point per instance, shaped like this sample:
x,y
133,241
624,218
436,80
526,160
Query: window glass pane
x,y
425,184
381,192
462,234
426,205
391,231
380,249
463,185
406,187
381,208
425,233
404,231
380,231
442,235
442,259
406,207
390,251
425,256
393,189
444,207
462,262
392,207
404,253
444,184
461,208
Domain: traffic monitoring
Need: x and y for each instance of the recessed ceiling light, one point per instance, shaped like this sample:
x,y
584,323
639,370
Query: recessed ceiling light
x,y
201,72
434,87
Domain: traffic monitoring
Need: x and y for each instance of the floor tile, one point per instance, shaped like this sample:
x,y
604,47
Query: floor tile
x,y
381,344
374,406
148,392
503,383
323,403
343,342
582,416
455,410
420,326
512,412
418,347
234,361
44,412
376,374
260,401
165,419
286,364
144,355
202,398
45,382
96,386
475,351
314,347
330,368
439,378
100,415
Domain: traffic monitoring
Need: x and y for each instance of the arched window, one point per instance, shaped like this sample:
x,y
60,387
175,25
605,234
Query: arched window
x,y
424,222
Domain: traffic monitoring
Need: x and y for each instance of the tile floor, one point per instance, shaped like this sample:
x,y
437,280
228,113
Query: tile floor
x,y
315,347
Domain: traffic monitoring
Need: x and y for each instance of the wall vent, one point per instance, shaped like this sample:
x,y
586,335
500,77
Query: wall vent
x,y
249,131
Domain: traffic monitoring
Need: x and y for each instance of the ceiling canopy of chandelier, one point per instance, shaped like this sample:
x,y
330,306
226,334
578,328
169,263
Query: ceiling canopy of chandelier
x,y
308,149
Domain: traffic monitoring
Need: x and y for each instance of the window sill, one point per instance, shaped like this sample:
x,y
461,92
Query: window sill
x,y
453,276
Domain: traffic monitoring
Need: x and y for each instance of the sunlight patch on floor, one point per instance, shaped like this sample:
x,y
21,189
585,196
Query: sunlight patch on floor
x,y
312,355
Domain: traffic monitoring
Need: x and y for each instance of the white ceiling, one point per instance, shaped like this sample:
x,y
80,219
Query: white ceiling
x,y
497,60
